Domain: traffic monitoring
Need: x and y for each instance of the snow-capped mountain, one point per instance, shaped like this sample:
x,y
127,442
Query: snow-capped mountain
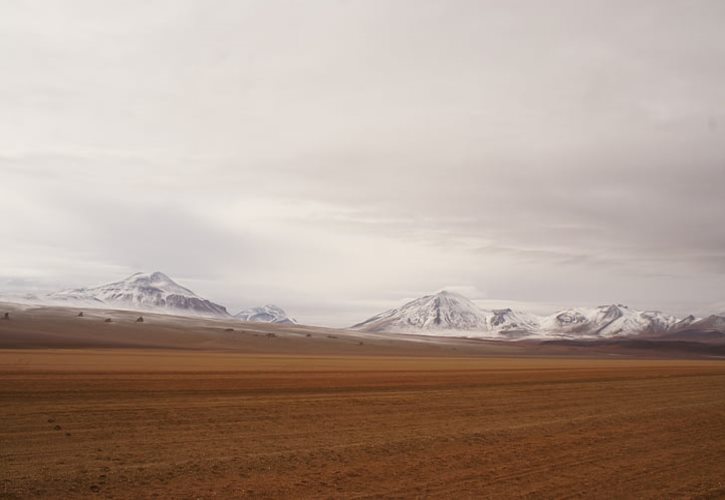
x,y
442,314
605,321
154,292
442,311
684,322
451,314
510,323
447,313
714,323
266,314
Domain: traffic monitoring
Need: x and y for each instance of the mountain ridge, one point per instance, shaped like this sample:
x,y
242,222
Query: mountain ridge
x,y
444,313
601,322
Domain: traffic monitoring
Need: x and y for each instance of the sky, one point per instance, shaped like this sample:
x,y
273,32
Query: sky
x,y
339,157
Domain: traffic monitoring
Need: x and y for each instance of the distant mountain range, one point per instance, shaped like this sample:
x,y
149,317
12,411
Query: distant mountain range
x,y
451,314
153,292
441,314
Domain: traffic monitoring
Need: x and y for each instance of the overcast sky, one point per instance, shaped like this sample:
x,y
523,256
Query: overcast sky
x,y
339,157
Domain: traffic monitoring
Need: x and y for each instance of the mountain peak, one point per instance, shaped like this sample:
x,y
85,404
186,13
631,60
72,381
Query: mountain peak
x,y
443,310
154,277
613,307
268,313
159,276
145,291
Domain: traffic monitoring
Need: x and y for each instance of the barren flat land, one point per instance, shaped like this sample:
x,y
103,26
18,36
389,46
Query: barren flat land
x,y
143,423
188,409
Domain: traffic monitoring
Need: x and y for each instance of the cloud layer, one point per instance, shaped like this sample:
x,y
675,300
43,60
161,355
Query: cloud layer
x,y
338,157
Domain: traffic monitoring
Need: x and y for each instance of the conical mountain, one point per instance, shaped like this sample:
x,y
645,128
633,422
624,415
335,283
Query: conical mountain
x,y
154,292
441,311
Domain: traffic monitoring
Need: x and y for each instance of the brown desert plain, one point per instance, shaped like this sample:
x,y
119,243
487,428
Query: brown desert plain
x,y
192,408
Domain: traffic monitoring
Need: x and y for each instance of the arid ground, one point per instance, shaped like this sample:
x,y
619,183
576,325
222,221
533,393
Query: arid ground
x,y
143,423
309,413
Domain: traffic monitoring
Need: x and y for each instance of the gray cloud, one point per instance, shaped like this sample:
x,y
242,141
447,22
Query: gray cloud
x,y
338,157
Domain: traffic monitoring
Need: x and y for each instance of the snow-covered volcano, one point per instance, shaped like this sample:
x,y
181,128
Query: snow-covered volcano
x,y
265,314
442,311
154,292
